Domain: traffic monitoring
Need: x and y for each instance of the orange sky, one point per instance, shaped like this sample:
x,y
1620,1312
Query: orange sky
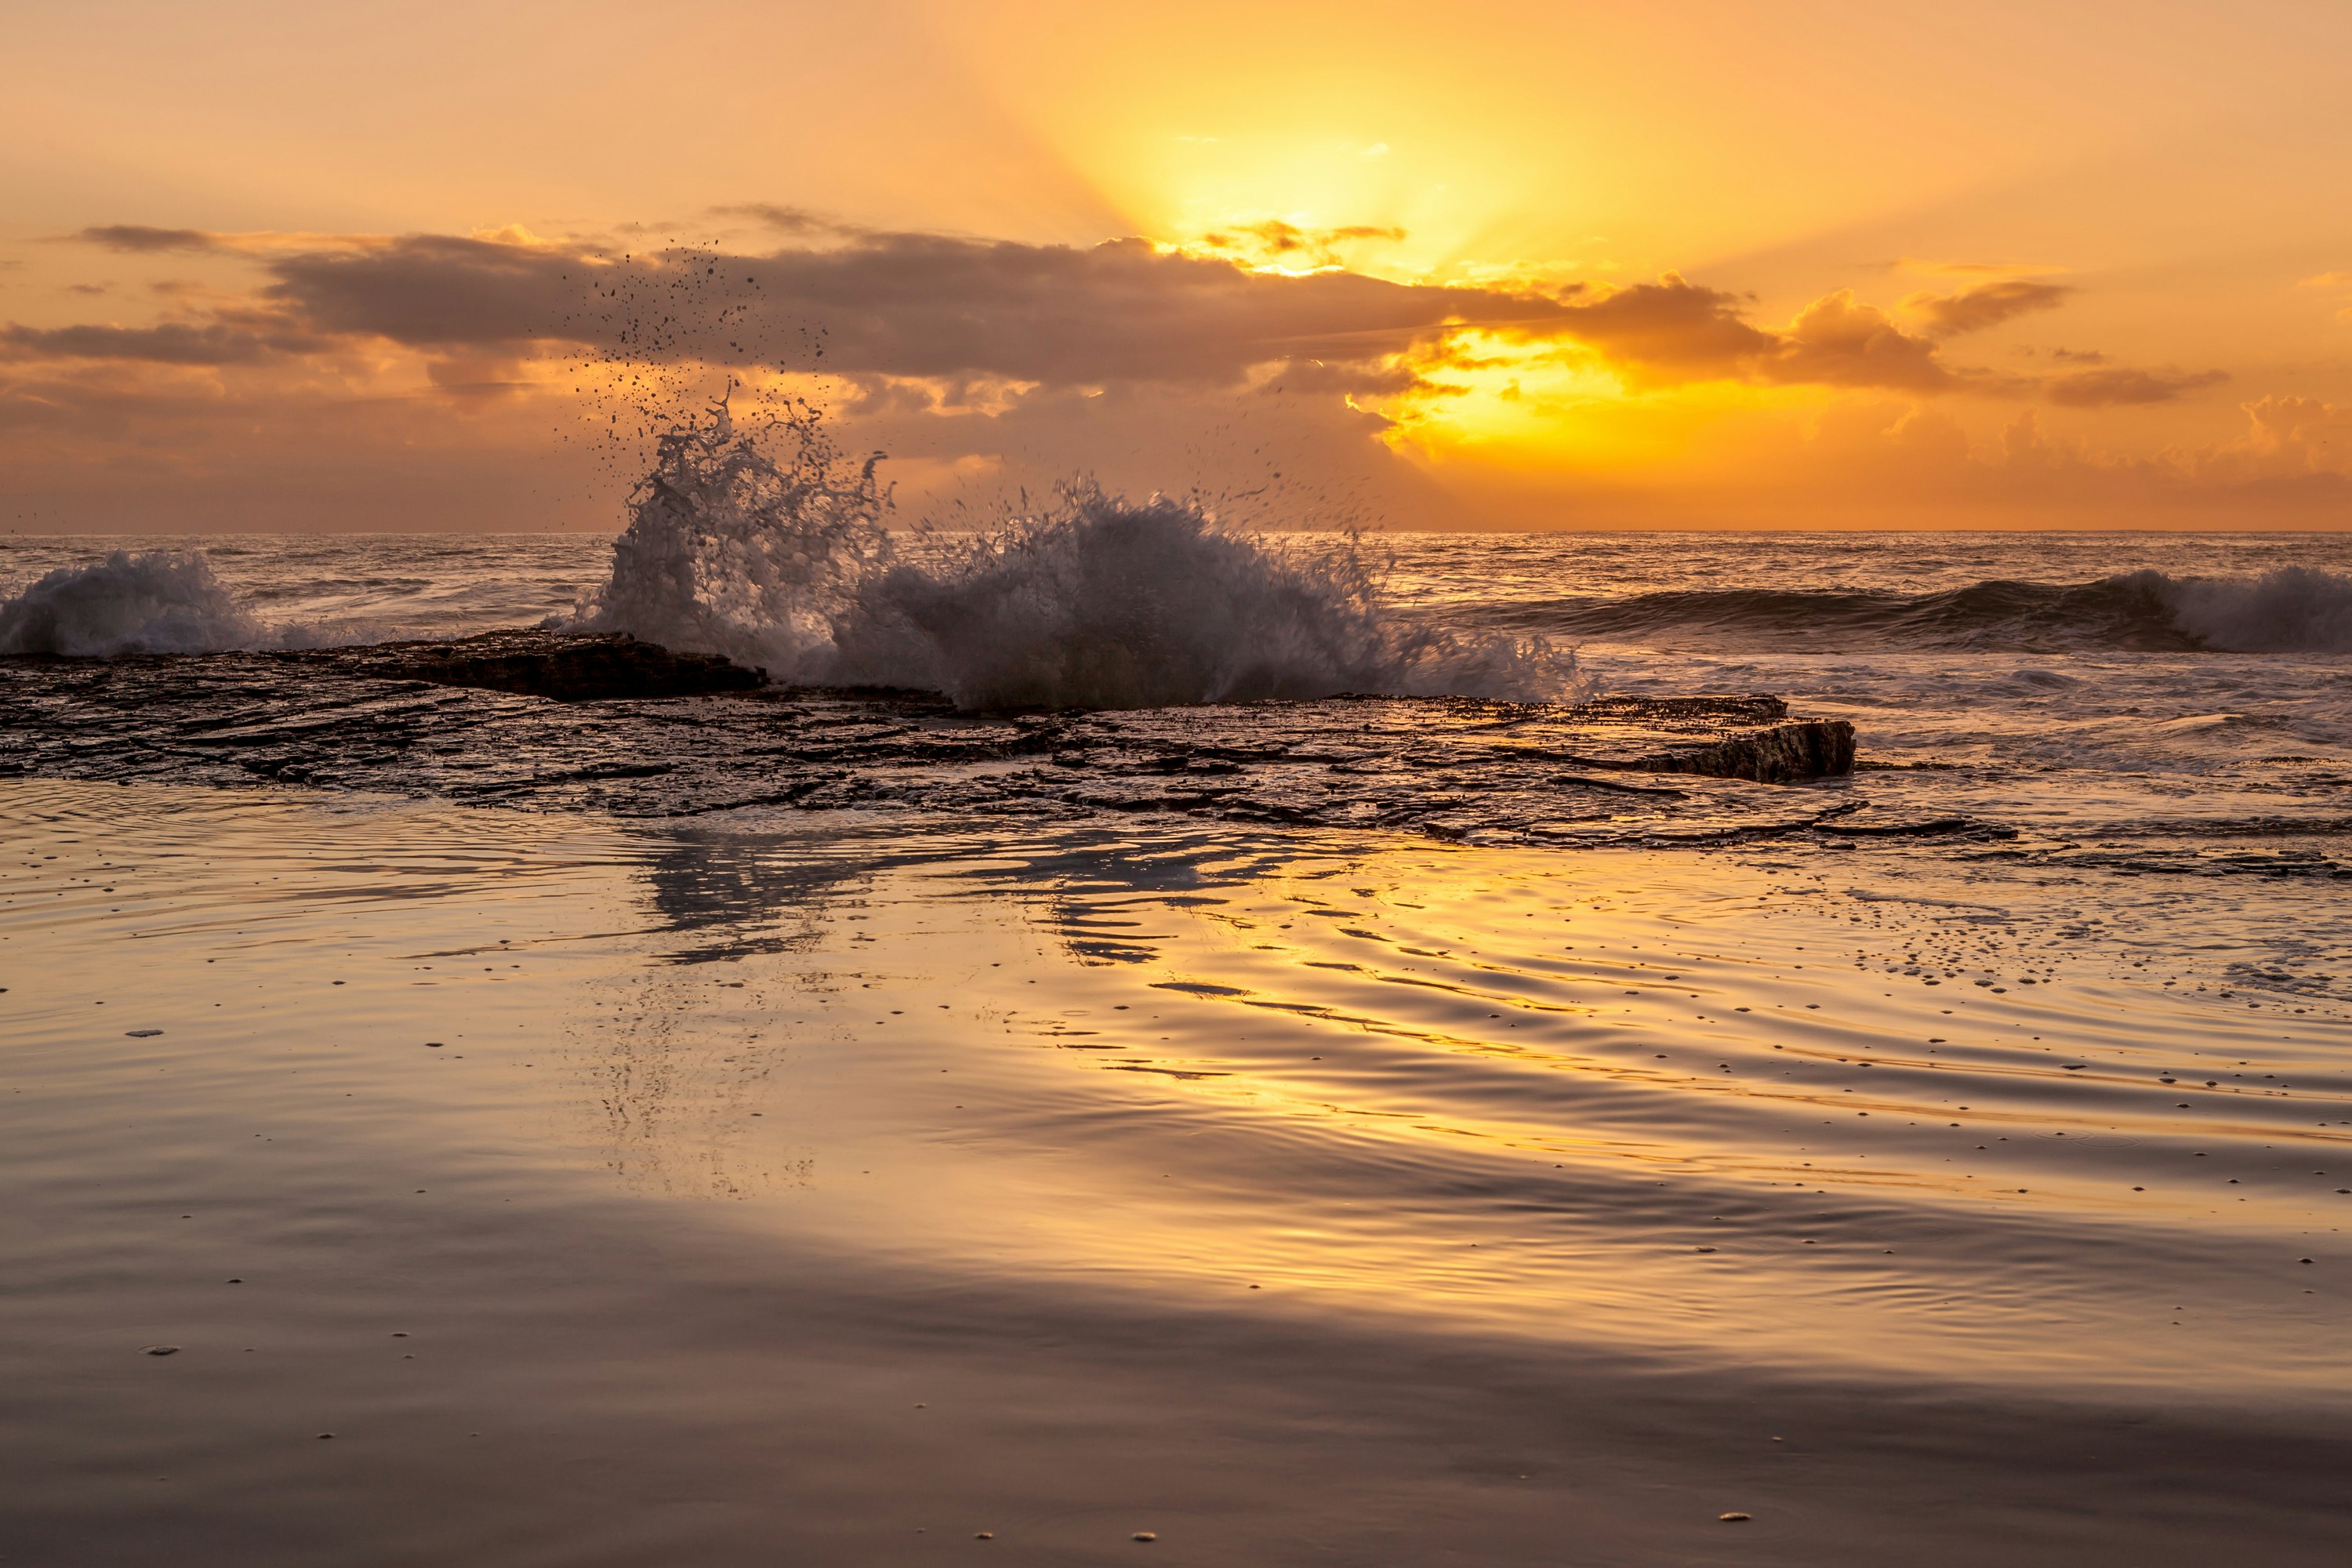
x,y
1543,265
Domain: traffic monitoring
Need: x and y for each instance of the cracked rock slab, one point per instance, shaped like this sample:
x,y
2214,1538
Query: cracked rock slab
x,y
549,722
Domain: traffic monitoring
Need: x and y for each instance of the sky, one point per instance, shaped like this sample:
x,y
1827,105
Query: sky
x,y
427,264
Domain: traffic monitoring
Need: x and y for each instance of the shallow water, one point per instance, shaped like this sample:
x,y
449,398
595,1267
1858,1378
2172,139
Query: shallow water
x,y
1124,1153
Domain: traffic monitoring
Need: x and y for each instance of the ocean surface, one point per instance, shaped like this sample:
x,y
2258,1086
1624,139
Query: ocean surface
x,y
2024,1125
2157,699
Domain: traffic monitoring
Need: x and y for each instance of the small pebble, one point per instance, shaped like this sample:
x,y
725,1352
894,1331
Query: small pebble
x,y
1733,1518
1144,1535
161,1349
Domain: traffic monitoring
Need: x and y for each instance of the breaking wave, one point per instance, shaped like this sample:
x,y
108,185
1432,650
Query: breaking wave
x,y
151,602
2295,609
2292,609
766,544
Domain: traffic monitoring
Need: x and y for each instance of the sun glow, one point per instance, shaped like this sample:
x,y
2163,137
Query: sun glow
x,y
1508,402
1407,202
1479,387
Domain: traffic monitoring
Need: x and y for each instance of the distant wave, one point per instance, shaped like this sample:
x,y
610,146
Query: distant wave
x,y
2293,609
764,544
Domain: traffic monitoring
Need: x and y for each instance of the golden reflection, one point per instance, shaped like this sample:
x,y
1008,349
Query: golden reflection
x,y
1645,1099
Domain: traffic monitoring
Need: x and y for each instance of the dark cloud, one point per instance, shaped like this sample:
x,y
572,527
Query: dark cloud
x,y
896,304
1312,377
1673,330
2120,388
140,239
948,309
213,341
924,305
1677,331
432,290
1985,305
2080,356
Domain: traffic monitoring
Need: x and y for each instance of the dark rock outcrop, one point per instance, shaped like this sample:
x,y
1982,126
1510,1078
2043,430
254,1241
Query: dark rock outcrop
x,y
566,666
1751,738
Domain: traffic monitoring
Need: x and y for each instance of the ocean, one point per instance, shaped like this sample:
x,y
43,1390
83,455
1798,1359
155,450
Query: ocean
x,y
1437,1167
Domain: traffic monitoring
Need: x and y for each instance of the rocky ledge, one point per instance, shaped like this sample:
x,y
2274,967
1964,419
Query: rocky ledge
x,y
552,722
564,666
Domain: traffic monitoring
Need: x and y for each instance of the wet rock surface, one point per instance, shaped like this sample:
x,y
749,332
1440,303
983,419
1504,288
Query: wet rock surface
x,y
566,667
544,720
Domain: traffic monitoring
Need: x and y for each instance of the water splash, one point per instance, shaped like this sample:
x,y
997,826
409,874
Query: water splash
x,y
750,540
148,602
763,542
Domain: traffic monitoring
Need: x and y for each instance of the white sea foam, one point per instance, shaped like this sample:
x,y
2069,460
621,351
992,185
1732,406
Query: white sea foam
x,y
151,602
765,544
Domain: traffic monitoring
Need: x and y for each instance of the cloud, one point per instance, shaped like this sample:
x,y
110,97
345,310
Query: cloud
x,y
1307,377
1985,305
1675,331
210,342
929,305
894,304
954,310
433,290
2328,281
1840,343
785,219
1274,244
2080,356
2121,387
1671,330
140,239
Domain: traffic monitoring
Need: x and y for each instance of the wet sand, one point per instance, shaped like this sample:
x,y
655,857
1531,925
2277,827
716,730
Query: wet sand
x,y
841,1192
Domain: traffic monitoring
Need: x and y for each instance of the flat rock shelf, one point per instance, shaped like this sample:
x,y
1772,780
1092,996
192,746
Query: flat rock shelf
x,y
555,721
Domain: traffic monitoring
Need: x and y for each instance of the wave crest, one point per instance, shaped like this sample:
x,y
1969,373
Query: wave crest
x,y
2292,609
